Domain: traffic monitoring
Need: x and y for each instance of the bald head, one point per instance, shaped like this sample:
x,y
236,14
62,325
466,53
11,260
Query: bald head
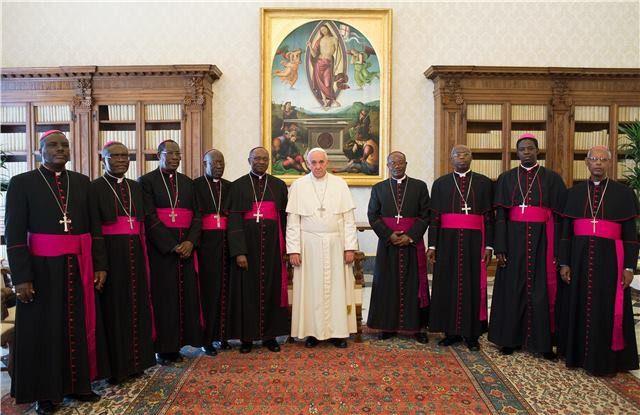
x,y
461,158
259,160
214,164
55,151
397,164
396,155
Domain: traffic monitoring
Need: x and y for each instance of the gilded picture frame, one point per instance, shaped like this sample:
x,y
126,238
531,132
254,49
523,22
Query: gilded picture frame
x,y
326,82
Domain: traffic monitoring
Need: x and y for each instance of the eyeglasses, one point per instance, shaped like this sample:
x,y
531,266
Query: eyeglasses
x,y
594,159
172,153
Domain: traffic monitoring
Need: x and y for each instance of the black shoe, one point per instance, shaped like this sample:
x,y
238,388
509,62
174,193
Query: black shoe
x,y
450,340
386,335
165,359
86,397
45,407
114,381
162,359
272,345
311,342
550,355
507,350
473,344
210,350
245,347
224,345
421,338
340,343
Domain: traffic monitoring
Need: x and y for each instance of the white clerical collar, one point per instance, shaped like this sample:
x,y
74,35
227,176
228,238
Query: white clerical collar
x,y
319,179
598,182
56,173
257,176
118,179
529,168
462,174
400,180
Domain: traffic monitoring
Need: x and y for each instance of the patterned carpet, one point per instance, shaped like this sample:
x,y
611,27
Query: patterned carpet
x,y
396,376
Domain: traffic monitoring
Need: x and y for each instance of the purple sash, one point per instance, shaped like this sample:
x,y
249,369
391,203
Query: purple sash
x,y
423,286
474,222
210,223
52,245
121,227
268,211
535,214
182,220
609,230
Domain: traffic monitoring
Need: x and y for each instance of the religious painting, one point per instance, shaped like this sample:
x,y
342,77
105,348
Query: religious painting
x,y
326,83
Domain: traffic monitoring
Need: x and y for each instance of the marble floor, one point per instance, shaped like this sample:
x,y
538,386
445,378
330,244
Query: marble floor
x,y
5,380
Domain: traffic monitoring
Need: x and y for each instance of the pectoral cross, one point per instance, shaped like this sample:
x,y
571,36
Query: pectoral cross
x,y
130,220
258,216
466,208
398,217
594,221
173,215
65,221
522,207
217,219
321,210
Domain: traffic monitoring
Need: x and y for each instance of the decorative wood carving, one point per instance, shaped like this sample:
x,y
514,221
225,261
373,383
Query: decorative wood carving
x,y
560,89
86,88
195,99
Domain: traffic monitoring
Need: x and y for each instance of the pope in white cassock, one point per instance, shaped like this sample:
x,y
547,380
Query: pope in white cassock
x,y
321,241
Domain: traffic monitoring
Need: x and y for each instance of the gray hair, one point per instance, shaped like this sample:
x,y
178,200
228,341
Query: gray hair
x,y
317,150
601,148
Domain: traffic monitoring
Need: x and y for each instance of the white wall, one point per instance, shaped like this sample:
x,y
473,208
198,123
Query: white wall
x,y
604,34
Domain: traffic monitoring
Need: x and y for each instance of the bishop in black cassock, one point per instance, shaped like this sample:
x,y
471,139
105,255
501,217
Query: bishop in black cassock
x,y
598,254
212,192
399,214
173,230
460,240
59,341
119,251
528,200
258,289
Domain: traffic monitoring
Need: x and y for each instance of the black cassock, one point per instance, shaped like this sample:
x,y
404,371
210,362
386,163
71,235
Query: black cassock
x,y
586,309
394,295
50,346
520,309
174,282
456,293
256,311
213,257
125,298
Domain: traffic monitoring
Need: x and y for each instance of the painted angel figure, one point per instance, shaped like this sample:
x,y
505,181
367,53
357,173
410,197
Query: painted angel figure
x,y
361,65
290,62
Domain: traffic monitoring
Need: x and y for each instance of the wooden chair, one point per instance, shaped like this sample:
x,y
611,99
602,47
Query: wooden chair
x,y
7,328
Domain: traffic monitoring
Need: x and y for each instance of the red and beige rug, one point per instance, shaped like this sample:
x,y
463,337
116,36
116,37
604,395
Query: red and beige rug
x,y
381,377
